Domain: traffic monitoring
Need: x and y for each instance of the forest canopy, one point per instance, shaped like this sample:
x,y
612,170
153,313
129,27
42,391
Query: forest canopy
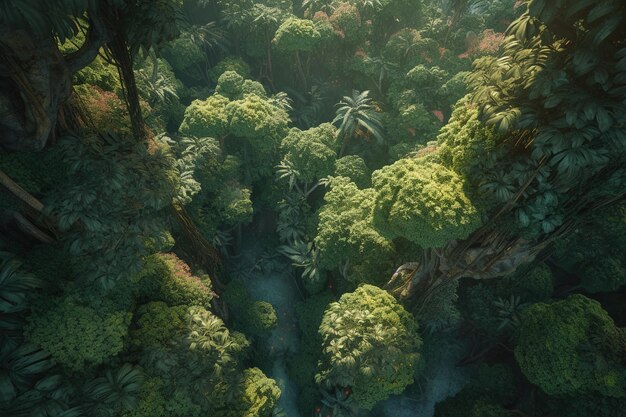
x,y
328,208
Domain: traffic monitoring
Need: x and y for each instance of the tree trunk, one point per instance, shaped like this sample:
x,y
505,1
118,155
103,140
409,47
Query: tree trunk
x,y
203,253
33,208
488,253
35,81
301,72
121,54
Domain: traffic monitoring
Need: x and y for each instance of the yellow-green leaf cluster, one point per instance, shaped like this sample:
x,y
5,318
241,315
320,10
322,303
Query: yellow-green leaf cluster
x,y
371,344
423,202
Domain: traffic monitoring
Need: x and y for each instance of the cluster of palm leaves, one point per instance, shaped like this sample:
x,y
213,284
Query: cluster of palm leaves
x,y
358,116
303,255
311,108
156,86
509,312
339,402
116,391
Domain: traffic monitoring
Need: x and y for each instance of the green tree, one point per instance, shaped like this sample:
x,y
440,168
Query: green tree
x,y
78,337
572,347
422,202
346,237
357,116
116,391
297,36
354,168
206,118
594,250
165,277
371,344
559,154
120,213
310,152
157,324
256,395
254,318
347,20
230,63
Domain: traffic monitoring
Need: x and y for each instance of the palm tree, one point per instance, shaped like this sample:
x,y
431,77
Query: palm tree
x,y
116,390
15,285
382,67
357,116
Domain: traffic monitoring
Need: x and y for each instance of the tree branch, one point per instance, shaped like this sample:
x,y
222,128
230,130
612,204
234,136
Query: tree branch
x,y
96,37
21,194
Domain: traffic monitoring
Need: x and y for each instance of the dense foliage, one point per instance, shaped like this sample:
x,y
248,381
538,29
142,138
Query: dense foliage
x,y
266,208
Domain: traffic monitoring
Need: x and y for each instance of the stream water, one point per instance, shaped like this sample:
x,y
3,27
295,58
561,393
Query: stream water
x,y
278,288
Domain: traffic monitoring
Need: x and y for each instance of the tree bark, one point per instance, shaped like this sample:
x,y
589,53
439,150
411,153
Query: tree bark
x,y
96,37
488,253
35,81
203,252
38,222
120,53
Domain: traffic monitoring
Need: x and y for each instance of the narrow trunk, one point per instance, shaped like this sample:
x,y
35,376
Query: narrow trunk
x,y
344,146
270,71
301,71
33,221
419,282
203,253
121,54
488,253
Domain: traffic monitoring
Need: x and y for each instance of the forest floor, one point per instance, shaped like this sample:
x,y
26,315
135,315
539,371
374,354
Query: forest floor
x,y
270,279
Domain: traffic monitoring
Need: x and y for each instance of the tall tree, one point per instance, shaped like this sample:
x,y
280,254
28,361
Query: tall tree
x,y
370,346
35,71
551,111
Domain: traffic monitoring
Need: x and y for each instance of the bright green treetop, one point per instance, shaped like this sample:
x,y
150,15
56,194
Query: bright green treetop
x,y
206,118
78,337
165,277
465,140
258,395
230,84
353,167
371,344
423,202
295,35
254,117
230,63
157,324
310,152
572,347
345,233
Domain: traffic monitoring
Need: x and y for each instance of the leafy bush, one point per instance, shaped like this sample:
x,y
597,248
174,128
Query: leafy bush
x,y
572,346
423,202
354,168
371,344
231,63
78,337
167,278
345,234
230,84
295,35
206,117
